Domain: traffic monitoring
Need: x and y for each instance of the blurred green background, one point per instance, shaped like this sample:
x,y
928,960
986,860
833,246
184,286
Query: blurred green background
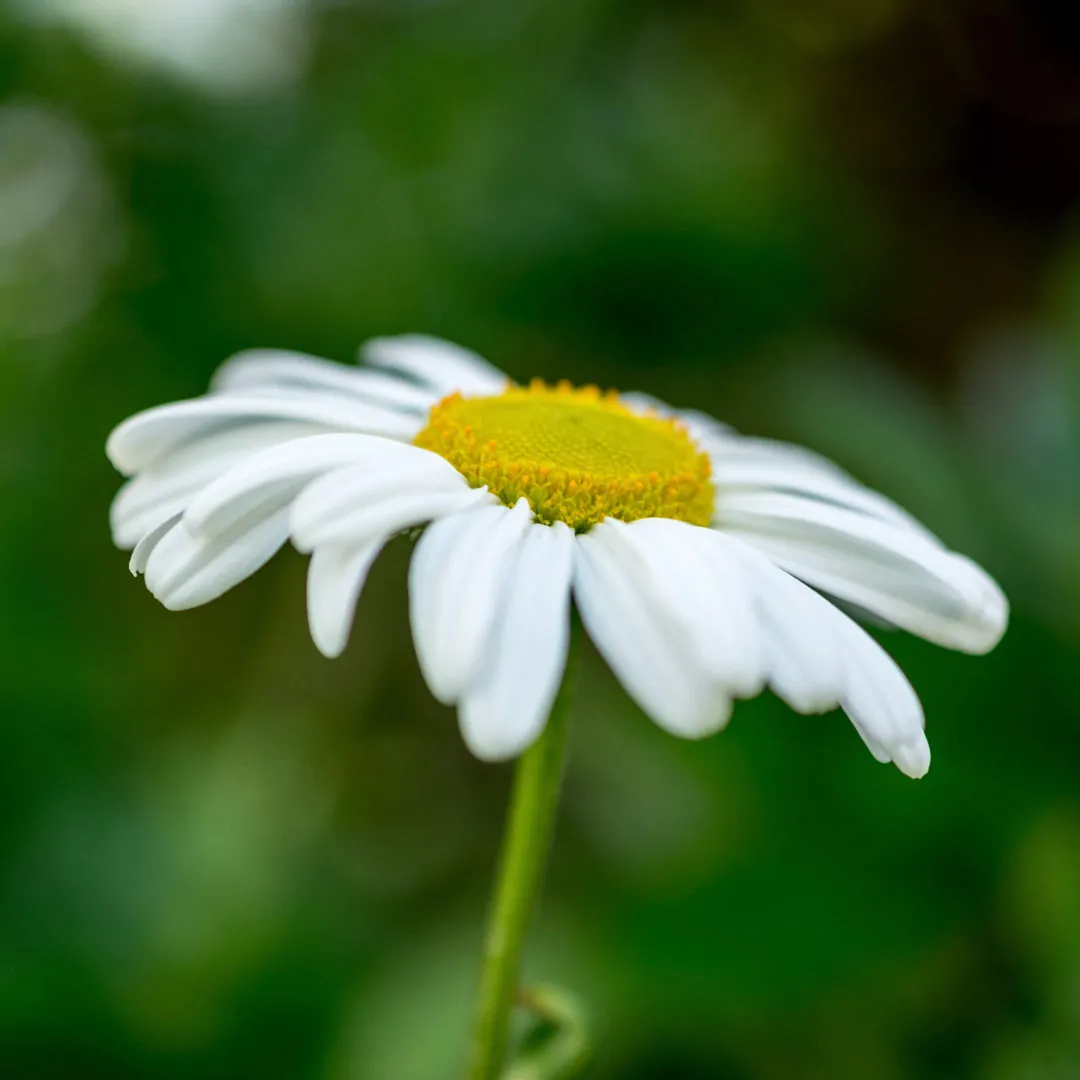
x,y
850,223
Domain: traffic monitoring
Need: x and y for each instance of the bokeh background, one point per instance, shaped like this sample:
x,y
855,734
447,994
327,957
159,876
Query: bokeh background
x,y
850,223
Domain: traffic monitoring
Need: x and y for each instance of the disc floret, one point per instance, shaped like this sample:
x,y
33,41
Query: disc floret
x,y
577,454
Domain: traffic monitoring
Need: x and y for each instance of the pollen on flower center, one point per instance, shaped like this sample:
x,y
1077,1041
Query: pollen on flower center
x,y
576,454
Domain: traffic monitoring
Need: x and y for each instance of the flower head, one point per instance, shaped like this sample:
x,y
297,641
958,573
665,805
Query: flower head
x,y
700,560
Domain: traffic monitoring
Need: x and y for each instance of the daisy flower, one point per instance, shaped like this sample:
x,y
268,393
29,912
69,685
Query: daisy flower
x,y
705,565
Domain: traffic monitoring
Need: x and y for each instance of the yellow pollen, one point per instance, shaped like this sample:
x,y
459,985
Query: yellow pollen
x,y
577,455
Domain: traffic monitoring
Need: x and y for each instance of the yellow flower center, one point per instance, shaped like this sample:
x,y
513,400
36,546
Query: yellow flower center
x,y
576,454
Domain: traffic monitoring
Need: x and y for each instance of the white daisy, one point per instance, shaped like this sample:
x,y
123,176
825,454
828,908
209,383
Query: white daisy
x,y
700,560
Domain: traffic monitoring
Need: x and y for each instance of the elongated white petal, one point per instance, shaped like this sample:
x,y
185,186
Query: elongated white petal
x,y
256,370
803,659
394,467
640,638
273,477
131,523
645,404
456,581
167,487
732,447
145,437
704,590
184,571
507,705
141,555
701,427
894,572
443,366
881,702
819,658
394,513
336,576
401,484
758,465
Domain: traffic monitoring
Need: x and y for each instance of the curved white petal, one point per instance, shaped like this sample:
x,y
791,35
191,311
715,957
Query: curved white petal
x,y
456,581
704,590
641,639
273,477
880,701
392,513
143,549
645,404
147,508
166,487
704,429
257,370
802,657
398,487
336,576
443,366
142,439
507,705
732,446
184,571
894,572
744,464
701,426
818,658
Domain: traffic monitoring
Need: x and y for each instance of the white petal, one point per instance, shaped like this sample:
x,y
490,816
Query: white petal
x,y
731,446
144,438
141,555
455,585
336,576
396,512
894,572
256,370
443,366
138,510
645,404
272,478
641,640
743,464
818,658
704,589
166,487
802,657
184,571
400,486
506,708
881,702
700,426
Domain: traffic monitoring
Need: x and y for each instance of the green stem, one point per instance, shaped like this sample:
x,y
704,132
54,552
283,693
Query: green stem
x,y
529,826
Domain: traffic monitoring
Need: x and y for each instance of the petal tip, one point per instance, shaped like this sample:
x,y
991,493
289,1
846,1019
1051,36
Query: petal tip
x,y
489,742
331,650
116,452
913,759
987,609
